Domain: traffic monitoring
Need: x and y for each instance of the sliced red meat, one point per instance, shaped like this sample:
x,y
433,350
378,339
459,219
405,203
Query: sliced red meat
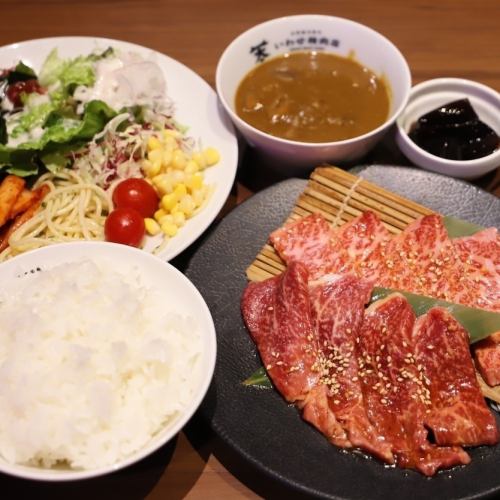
x,y
363,240
308,240
393,391
416,259
487,355
338,306
277,313
480,257
318,412
457,412
422,259
355,247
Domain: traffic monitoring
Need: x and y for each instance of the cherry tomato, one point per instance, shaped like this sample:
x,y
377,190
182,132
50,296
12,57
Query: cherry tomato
x,y
137,194
124,225
15,90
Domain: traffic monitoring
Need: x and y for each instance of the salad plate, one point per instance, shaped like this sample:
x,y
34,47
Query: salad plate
x,y
256,423
196,109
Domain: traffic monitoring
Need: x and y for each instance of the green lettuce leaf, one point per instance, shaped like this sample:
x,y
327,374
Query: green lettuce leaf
x,y
28,168
61,136
21,73
19,162
95,117
77,71
35,116
55,161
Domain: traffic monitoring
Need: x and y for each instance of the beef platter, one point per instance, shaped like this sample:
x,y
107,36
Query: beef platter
x,y
378,378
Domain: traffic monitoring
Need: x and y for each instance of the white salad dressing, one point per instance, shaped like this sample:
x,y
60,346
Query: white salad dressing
x,y
125,80
6,105
34,100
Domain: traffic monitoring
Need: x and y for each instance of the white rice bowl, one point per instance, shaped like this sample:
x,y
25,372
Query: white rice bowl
x,y
105,353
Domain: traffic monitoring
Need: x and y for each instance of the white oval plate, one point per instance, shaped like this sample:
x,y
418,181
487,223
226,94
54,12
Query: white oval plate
x,y
196,106
180,295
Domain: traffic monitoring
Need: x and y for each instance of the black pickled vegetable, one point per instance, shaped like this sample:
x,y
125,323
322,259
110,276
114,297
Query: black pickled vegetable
x,y
455,132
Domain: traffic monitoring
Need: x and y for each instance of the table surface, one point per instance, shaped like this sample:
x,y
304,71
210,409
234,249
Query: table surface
x,y
449,38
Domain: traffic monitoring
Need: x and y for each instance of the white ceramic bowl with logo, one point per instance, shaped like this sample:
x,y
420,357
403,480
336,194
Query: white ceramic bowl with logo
x,y
339,36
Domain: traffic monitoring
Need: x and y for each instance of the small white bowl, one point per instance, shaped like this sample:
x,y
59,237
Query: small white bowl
x,y
431,94
340,36
160,277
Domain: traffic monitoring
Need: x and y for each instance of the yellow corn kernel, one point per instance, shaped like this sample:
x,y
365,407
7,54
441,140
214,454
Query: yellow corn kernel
x,y
168,132
198,196
159,214
163,184
211,156
200,160
153,143
168,201
194,181
167,157
180,190
146,167
169,228
179,219
163,187
175,209
179,159
158,178
157,166
187,205
151,169
191,167
166,219
152,227
155,155
171,143
178,176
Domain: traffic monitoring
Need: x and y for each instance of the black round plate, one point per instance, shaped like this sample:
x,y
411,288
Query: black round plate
x,y
258,424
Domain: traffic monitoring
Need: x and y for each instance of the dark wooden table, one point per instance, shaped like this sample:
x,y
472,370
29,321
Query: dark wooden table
x,y
454,38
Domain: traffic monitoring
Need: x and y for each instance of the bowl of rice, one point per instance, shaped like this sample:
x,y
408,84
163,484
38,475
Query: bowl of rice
x,y
106,352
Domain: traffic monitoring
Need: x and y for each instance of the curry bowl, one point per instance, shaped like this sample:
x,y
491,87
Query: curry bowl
x,y
318,35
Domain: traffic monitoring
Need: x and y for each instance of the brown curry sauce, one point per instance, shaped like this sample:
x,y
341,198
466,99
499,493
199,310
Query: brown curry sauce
x,y
313,97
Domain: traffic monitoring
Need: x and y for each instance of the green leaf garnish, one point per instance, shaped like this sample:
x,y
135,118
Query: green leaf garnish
x,y
458,228
259,378
478,322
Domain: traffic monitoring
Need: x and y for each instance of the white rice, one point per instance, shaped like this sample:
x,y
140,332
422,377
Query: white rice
x,y
92,365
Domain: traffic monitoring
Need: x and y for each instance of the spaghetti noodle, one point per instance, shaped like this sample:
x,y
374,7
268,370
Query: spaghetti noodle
x,y
74,209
